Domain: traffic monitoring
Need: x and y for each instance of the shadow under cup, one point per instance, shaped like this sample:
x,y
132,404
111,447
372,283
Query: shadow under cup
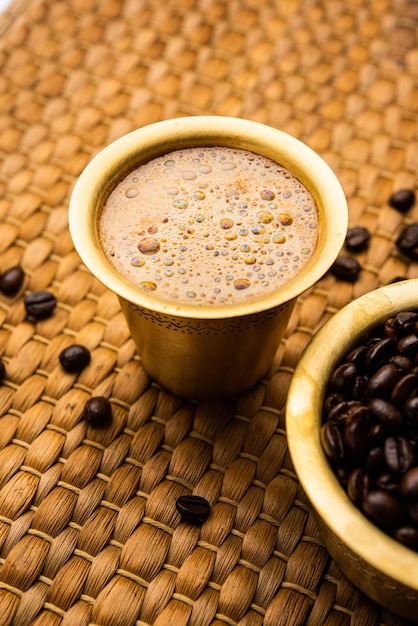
x,y
206,351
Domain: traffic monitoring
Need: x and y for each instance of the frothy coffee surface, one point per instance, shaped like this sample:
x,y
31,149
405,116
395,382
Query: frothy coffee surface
x,y
209,226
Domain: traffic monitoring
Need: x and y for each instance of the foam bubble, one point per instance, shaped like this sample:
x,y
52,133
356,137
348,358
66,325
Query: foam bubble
x,y
203,216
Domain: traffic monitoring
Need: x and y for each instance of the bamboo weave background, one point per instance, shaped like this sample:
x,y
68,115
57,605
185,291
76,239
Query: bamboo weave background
x,y
89,533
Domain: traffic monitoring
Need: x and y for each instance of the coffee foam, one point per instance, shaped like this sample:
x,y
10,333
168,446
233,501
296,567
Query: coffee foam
x,y
209,226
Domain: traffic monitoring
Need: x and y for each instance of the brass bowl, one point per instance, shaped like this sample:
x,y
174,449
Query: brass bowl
x,y
206,351
381,567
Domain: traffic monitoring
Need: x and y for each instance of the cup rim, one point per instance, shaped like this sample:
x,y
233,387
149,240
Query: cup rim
x,y
114,162
303,417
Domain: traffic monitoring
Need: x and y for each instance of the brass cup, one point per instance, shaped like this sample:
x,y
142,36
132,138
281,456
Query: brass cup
x,y
210,351
381,567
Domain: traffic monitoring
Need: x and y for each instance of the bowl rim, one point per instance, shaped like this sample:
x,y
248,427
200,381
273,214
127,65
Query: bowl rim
x,y
347,522
114,161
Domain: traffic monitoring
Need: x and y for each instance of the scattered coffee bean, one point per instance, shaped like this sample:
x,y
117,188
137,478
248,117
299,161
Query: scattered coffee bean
x,y
74,358
402,200
98,412
193,509
346,268
357,238
40,304
370,426
397,279
12,280
407,241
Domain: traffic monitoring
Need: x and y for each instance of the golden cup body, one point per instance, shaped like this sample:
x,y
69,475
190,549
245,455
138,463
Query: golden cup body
x,y
206,351
381,567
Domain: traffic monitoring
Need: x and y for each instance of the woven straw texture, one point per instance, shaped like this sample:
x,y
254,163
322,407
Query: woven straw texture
x,y
89,532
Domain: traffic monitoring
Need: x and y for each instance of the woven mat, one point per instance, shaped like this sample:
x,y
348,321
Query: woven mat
x,y
89,533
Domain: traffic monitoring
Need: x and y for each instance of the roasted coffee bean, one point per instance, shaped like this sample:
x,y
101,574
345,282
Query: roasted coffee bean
x,y
332,400
405,321
383,509
388,482
411,410
397,279
408,344
346,268
355,433
383,380
358,356
343,377
40,304
12,280
359,389
403,363
390,329
377,434
342,472
407,241
357,238
98,412
358,485
399,454
409,484
74,358
408,536
386,412
412,511
404,388
340,412
378,352
332,441
375,461
193,509
402,200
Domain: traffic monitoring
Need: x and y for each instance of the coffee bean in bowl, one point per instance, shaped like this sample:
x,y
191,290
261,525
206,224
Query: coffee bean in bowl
x,y
375,390
352,431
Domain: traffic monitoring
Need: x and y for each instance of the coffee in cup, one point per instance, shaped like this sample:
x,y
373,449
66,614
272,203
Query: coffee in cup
x,y
207,229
